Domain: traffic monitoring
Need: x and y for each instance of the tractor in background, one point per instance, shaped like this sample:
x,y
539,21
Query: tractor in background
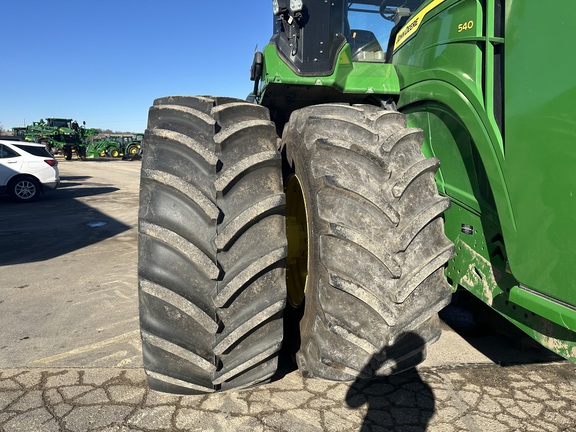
x,y
115,145
60,135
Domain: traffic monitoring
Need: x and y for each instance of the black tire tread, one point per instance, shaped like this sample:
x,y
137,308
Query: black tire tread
x,y
210,306
377,241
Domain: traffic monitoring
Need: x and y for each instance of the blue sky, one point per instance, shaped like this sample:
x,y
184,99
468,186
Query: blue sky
x,y
104,62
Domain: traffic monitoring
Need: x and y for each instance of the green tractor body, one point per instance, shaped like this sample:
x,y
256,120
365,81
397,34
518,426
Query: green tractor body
x,y
100,146
495,101
115,145
59,135
398,151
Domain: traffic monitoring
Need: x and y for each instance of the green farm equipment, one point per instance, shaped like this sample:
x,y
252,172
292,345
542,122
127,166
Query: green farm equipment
x,y
133,146
100,146
116,145
391,154
59,135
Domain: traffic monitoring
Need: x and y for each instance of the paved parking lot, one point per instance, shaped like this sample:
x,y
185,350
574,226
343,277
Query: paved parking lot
x,y
70,348
68,272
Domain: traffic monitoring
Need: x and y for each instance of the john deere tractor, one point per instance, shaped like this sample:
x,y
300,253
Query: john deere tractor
x,y
392,153
116,145
59,135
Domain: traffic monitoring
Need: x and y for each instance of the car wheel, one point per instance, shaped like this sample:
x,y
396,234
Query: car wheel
x,y
24,189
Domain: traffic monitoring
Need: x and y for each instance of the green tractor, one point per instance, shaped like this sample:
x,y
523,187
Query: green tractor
x,y
117,145
392,155
59,135
131,145
100,146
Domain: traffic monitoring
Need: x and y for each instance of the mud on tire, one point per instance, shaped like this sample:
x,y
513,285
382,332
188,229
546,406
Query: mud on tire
x,y
376,243
211,245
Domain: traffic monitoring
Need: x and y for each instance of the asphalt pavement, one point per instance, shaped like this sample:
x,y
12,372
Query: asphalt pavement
x,y
70,355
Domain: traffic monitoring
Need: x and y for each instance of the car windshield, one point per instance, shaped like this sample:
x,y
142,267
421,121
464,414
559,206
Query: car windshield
x,y
34,150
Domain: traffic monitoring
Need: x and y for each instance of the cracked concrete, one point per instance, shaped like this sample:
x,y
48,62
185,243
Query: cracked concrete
x,y
476,398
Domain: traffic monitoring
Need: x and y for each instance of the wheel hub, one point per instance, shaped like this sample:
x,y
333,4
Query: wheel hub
x,y
25,189
297,234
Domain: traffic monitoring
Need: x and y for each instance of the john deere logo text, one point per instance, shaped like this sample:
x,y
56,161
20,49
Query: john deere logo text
x,y
412,26
407,30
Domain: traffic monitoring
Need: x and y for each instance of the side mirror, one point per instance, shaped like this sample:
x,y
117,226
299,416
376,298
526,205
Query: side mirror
x,y
257,66
256,70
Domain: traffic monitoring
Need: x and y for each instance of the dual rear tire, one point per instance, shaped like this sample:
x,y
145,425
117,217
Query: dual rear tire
x,y
375,242
211,245
363,264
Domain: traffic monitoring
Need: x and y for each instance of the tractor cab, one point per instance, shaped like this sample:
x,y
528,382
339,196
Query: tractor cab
x,y
59,123
338,51
309,36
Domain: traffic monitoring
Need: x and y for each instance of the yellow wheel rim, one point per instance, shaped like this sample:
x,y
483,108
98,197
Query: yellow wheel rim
x,y
297,234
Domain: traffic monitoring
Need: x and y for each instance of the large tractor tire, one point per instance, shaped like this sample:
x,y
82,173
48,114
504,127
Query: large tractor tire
x,y
366,241
81,152
212,245
67,151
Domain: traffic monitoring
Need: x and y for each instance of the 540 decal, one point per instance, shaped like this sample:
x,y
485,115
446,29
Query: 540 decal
x,y
469,25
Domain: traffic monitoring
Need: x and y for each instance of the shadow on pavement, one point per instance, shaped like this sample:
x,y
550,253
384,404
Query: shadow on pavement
x,y
56,224
398,402
491,334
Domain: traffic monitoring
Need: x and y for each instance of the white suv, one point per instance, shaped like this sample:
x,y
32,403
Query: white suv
x,y
27,170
